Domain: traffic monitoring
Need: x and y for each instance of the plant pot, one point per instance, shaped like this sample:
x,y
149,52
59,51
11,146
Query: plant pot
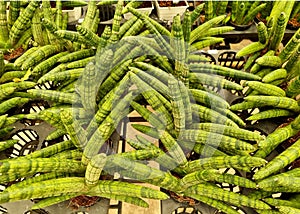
x,y
106,12
74,13
168,12
241,27
144,8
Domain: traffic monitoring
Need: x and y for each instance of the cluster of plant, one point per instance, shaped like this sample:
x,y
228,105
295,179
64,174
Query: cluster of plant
x,y
264,14
293,23
244,12
239,12
141,66
17,33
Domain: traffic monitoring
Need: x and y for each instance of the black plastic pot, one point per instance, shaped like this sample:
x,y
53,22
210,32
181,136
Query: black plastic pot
x,y
241,27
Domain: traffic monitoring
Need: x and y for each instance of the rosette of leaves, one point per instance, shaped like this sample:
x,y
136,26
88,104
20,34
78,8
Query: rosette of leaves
x,y
244,12
264,14
20,31
211,9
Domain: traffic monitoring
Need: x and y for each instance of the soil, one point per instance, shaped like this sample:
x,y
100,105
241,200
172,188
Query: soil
x,y
202,19
145,4
83,201
293,23
295,164
284,85
264,51
258,16
168,3
183,199
293,139
14,54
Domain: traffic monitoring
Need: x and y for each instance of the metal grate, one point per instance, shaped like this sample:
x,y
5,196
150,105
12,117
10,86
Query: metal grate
x,y
239,210
210,57
39,211
3,210
80,212
106,12
229,59
34,106
47,85
46,143
186,210
28,143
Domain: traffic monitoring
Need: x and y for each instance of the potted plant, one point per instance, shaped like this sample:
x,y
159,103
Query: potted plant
x,y
213,9
264,14
74,10
167,9
142,6
244,12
